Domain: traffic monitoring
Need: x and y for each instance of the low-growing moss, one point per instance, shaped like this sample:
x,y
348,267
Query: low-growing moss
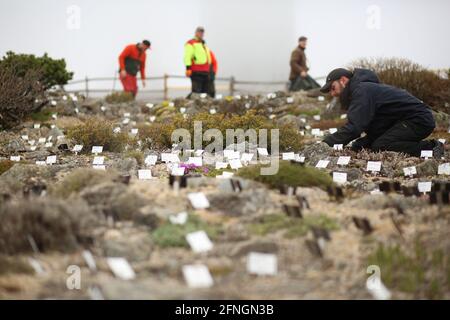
x,y
292,227
42,116
5,165
98,132
174,235
288,175
119,97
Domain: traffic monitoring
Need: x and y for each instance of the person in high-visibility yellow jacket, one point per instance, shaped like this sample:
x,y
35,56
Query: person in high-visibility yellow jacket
x,y
197,59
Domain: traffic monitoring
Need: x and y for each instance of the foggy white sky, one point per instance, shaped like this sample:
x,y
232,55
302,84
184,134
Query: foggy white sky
x,y
252,39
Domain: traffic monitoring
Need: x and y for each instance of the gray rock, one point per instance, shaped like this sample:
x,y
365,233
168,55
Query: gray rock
x,y
262,246
427,168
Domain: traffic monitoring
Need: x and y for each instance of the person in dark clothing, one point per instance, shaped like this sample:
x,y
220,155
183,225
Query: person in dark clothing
x,y
392,118
299,77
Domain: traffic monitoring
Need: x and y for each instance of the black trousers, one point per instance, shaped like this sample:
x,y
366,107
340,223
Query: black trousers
x,y
404,136
301,83
200,82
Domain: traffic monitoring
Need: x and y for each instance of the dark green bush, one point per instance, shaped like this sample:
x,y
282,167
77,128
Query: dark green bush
x,y
53,71
18,94
420,82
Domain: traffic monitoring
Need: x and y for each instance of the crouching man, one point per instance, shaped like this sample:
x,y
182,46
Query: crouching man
x,y
392,118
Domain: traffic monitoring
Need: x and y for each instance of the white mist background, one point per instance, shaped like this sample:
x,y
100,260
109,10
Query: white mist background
x,y
252,39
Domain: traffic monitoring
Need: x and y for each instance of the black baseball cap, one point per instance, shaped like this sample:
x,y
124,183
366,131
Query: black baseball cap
x,y
147,43
334,75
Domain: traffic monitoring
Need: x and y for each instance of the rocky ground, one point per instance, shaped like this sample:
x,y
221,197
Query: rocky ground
x,y
66,215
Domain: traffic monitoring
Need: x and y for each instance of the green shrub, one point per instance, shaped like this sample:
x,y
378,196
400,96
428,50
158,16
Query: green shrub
x,y
156,136
119,97
293,175
98,132
174,235
290,138
79,179
53,72
420,82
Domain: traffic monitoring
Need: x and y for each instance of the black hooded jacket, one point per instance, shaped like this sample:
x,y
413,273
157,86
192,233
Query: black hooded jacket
x,y
373,108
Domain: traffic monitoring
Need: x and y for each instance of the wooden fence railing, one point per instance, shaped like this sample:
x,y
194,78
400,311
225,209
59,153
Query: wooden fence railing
x,y
228,85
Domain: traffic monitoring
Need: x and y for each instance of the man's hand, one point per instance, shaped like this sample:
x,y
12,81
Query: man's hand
x,y
303,74
143,83
188,73
123,74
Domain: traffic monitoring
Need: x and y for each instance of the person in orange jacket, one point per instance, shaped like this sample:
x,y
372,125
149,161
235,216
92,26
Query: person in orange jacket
x,y
131,61
212,75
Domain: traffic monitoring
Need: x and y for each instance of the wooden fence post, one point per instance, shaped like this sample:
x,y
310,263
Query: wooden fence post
x,y
86,86
166,87
232,83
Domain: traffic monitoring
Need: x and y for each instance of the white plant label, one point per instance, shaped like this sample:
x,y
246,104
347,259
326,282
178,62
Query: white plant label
x,y
316,117
262,264
51,160
134,131
409,171
177,171
37,125
170,157
77,148
290,100
340,177
199,241
338,147
98,160
197,276
316,132
145,174
322,164
374,166
333,130
197,161
97,149
41,163
49,145
299,158
263,152
150,160
198,200
121,268
235,164
179,218
221,165
343,161
426,154
424,187
288,156
247,157
444,169
15,158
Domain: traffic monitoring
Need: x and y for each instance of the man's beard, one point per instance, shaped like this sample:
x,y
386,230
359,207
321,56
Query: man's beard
x,y
344,97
